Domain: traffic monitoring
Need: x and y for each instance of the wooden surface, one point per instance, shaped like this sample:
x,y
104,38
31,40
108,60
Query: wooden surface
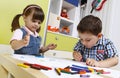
x,y
3,72
10,64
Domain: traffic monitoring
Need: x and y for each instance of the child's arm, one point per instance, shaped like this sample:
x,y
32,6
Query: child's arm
x,y
104,63
17,44
48,47
109,62
77,56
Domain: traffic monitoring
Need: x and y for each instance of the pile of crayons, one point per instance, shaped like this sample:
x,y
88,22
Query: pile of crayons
x,y
75,69
35,66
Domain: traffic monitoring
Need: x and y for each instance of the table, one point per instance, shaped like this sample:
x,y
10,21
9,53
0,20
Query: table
x,y
9,63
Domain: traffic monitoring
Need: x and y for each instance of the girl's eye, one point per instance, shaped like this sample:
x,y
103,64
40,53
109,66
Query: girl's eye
x,y
38,22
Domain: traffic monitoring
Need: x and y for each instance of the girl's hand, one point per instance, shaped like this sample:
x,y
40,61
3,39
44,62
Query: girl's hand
x,y
92,62
51,46
26,40
48,47
77,56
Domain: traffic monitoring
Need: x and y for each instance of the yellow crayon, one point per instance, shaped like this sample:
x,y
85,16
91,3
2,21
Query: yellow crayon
x,y
58,71
22,65
91,69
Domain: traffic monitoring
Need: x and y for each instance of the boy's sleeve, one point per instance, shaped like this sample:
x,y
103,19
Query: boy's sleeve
x,y
111,50
77,47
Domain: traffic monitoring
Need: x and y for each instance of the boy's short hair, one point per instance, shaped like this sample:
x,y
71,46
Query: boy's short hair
x,y
90,24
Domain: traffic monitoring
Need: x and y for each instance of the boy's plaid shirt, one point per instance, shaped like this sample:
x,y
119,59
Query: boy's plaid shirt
x,y
103,49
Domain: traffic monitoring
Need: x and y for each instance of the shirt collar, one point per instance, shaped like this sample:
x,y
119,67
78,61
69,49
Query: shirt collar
x,y
101,41
30,32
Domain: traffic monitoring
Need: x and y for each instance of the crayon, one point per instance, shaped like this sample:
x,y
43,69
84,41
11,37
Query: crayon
x,y
74,73
91,70
35,67
79,66
106,73
63,71
78,69
27,64
100,71
84,76
82,72
43,67
57,71
22,65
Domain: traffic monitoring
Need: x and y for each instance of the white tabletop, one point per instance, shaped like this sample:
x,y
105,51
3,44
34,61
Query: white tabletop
x,y
62,63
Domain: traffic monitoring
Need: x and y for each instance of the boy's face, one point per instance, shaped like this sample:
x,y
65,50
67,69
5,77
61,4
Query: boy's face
x,y
88,39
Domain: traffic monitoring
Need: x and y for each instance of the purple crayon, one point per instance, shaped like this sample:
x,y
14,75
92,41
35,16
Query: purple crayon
x,y
84,76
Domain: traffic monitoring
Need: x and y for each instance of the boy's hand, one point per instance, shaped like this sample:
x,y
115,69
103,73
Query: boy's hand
x,y
92,62
77,56
52,46
26,40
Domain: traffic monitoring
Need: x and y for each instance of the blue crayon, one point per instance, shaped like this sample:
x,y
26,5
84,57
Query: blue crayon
x,y
80,66
78,69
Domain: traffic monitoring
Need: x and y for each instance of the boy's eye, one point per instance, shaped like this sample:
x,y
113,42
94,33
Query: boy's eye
x,y
81,39
87,40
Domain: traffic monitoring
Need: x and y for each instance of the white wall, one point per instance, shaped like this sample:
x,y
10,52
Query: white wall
x,y
114,28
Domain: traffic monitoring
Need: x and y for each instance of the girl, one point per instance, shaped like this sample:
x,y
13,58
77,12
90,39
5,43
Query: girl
x,y
26,40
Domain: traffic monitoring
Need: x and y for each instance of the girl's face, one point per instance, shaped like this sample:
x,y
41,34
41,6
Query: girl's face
x,y
88,39
32,25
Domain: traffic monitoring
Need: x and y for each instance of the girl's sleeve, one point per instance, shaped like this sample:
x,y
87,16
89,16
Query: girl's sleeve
x,y
17,35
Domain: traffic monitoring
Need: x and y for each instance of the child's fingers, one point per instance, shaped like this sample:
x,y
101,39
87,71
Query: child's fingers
x,y
88,61
91,63
55,45
26,39
52,46
74,54
77,57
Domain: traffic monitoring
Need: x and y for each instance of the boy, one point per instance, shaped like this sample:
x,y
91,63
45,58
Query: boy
x,y
93,48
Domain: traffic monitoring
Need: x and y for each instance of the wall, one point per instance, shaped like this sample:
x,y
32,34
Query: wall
x,y
9,8
114,28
